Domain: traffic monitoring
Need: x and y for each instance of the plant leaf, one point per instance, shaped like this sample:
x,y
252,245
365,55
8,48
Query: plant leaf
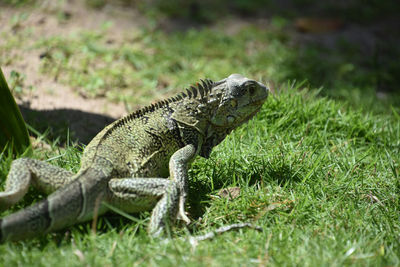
x,y
13,130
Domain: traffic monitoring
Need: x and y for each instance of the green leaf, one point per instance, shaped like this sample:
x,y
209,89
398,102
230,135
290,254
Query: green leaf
x,y
13,130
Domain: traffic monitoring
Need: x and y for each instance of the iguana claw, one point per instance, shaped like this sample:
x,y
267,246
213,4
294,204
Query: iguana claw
x,y
181,213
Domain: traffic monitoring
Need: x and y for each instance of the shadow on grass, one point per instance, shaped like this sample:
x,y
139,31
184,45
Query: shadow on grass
x,y
198,200
259,171
106,223
60,124
280,173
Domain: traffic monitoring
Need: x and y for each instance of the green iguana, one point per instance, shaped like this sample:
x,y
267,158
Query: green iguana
x,y
127,163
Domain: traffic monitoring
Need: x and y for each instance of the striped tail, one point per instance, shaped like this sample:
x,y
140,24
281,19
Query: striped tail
x,y
70,204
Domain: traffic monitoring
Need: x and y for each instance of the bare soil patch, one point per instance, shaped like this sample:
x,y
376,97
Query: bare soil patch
x,y
45,22
51,19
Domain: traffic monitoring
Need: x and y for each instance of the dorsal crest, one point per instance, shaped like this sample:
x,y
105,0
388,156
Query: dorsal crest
x,y
199,91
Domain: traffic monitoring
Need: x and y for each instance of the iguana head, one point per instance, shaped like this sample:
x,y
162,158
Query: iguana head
x,y
239,99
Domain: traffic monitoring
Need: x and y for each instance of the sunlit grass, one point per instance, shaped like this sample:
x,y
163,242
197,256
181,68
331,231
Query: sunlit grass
x,y
321,176
322,181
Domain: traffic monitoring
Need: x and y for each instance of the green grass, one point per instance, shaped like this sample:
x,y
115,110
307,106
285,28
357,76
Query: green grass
x,y
147,64
322,179
153,60
318,174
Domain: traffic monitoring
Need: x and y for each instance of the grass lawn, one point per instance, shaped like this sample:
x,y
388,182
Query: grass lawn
x,y
321,180
318,174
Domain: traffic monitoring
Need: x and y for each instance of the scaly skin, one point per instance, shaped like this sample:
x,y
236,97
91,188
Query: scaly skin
x,y
137,163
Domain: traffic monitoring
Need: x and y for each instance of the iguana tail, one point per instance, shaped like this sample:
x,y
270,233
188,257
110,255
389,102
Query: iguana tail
x,y
75,202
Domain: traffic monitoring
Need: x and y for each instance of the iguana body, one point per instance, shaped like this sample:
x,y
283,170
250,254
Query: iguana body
x,y
127,163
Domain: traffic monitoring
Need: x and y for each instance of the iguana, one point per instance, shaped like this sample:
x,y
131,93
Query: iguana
x,y
127,163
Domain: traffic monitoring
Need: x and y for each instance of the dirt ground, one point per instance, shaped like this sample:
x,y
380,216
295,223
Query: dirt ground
x,y
50,94
51,99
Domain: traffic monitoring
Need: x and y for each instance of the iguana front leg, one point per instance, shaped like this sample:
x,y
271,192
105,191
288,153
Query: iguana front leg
x,y
178,170
24,172
139,194
136,194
